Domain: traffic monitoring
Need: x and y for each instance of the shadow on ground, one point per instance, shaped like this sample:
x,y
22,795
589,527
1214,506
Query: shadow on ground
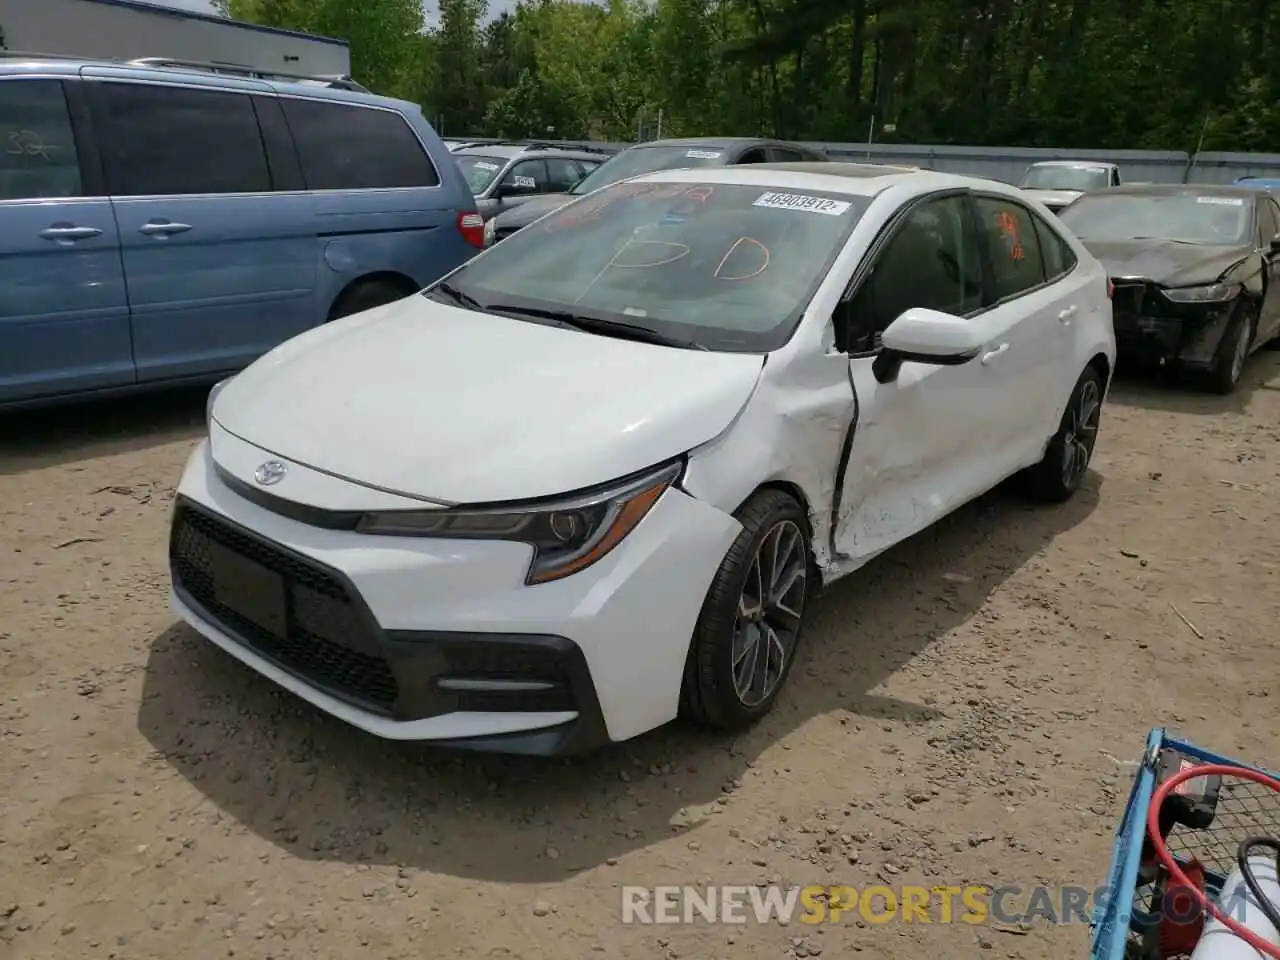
x,y
35,439
321,790
1177,391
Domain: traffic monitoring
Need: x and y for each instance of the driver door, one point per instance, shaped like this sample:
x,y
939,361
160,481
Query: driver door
x,y
911,461
1268,230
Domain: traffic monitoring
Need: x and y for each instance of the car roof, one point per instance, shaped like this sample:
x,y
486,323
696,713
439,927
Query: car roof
x,y
850,179
1074,164
18,64
510,150
715,143
1173,189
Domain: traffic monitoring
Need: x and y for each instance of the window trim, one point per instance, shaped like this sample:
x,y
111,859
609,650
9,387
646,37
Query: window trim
x,y
92,185
1043,284
887,233
1275,212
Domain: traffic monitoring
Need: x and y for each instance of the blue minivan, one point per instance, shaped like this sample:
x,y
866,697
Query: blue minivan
x,y
161,225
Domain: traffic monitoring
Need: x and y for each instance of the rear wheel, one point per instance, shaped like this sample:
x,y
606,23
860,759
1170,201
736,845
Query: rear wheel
x,y
1227,369
366,296
747,633
1058,476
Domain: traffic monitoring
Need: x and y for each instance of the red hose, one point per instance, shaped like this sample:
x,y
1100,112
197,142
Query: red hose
x,y
1175,871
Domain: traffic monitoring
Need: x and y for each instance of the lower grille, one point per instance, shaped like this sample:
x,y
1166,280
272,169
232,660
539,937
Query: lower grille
x,y
287,609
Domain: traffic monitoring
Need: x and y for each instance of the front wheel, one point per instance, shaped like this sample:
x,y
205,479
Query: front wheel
x,y
1229,365
747,633
1058,476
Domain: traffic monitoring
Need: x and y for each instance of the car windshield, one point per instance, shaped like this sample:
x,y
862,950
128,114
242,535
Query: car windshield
x,y
726,266
1066,178
479,171
1181,217
635,161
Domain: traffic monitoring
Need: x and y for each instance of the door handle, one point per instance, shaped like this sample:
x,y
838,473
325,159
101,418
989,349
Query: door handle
x,y
992,354
156,229
66,233
1066,315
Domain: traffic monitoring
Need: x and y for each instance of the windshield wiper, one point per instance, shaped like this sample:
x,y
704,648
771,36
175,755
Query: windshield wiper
x,y
1189,243
457,296
610,328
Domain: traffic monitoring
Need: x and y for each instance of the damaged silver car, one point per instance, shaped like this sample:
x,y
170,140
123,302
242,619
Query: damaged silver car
x,y
1195,270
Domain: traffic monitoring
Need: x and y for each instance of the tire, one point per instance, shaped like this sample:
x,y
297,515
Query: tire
x,y
719,690
1224,377
365,296
1057,477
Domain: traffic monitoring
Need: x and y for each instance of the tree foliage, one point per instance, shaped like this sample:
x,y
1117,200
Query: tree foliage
x,y
1139,74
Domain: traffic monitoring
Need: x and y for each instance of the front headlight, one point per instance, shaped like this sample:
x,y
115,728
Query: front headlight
x,y
1208,293
566,535
490,232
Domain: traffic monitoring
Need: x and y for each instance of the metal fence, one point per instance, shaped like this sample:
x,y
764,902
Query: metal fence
x,y
1010,163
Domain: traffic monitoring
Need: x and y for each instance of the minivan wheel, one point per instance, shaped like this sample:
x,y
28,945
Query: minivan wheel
x,y
1066,460
747,633
365,296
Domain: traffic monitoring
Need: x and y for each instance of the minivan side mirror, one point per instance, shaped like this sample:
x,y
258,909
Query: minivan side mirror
x,y
921,335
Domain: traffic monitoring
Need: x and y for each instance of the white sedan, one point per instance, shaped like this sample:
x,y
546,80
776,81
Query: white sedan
x,y
595,477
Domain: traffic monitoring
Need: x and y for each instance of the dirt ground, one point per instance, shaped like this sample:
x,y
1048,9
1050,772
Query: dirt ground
x,y
965,710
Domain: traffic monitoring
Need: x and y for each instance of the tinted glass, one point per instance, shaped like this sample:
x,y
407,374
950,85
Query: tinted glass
x,y
730,266
1184,217
1067,178
635,161
1058,257
39,151
527,176
171,141
562,174
346,147
1014,248
932,261
479,171
783,155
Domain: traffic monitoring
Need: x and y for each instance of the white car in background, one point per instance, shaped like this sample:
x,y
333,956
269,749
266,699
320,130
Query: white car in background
x,y
595,477
1058,183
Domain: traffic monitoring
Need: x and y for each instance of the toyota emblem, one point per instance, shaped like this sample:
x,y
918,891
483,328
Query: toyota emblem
x,y
271,472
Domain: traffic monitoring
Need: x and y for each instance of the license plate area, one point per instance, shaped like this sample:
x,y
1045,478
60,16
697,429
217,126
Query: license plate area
x,y
249,589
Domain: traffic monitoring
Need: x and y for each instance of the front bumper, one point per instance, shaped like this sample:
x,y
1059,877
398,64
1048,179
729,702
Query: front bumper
x,y
1189,335
417,639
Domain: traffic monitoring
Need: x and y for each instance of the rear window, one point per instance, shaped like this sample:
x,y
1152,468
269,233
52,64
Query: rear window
x,y
1067,178
727,265
479,172
640,160
346,147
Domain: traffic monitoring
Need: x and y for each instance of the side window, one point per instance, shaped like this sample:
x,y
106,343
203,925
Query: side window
x,y
931,261
1016,264
1115,178
561,174
345,147
587,166
758,155
527,176
39,150
1268,226
1058,258
174,141
783,155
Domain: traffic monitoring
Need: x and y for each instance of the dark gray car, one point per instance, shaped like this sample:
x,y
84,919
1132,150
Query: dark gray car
x,y
648,158
506,175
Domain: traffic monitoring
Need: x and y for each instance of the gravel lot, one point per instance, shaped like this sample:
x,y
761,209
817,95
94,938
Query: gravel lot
x,y
964,711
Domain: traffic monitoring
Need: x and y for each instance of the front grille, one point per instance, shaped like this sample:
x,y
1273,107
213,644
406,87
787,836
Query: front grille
x,y
1128,297
287,609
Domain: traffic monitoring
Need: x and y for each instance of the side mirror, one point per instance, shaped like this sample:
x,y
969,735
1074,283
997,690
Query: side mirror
x,y
925,336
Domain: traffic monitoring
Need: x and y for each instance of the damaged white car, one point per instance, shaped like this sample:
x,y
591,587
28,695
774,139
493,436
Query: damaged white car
x,y
595,477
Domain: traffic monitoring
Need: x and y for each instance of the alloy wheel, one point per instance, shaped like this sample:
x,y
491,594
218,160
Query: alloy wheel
x,y
1080,433
769,611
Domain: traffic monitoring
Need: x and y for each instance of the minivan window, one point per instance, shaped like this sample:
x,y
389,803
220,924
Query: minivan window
x,y
38,159
345,147
173,141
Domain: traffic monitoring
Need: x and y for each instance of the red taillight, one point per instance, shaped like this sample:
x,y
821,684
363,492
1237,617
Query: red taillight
x,y
471,226
1111,288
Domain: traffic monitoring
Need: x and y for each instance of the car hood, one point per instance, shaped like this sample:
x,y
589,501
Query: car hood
x,y
453,406
1054,198
531,210
1164,262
